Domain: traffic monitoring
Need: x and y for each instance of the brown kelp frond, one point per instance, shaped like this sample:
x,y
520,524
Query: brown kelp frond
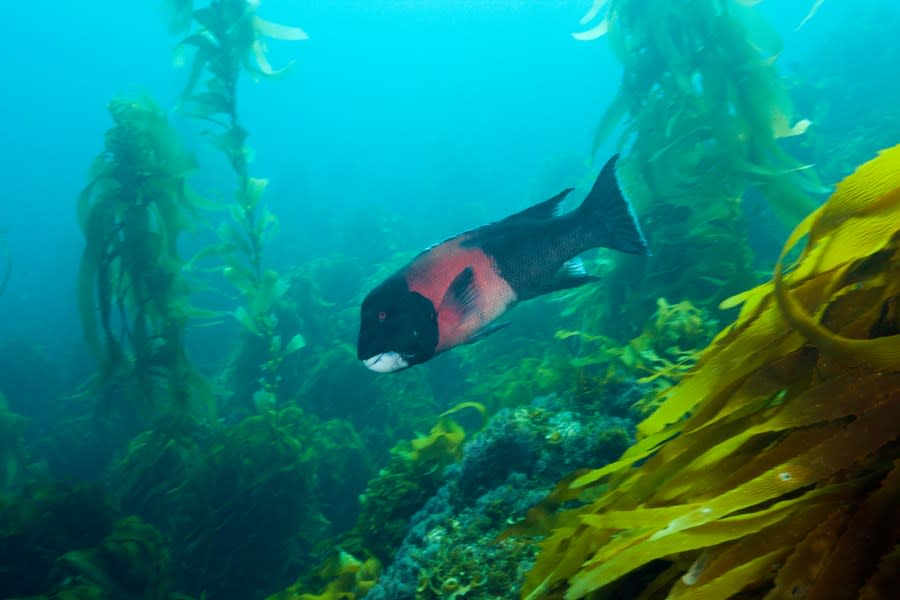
x,y
773,469
702,112
130,290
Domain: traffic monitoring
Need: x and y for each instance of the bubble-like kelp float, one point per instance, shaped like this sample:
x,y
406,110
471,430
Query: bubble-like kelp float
x,y
765,460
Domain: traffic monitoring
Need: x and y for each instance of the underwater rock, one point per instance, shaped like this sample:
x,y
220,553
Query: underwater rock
x,y
451,548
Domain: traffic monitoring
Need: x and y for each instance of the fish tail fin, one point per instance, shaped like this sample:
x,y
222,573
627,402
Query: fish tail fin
x,y
610,216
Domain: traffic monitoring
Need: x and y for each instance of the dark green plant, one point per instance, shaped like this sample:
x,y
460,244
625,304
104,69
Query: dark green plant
x,y
12,450
40,524
131,294
130,563
238,504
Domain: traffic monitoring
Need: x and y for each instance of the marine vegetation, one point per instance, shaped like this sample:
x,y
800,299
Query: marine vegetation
x,y
451,549
343,576
131,562
12,450
413,475
701,108
131,292
230,38
206,488
773,469
40,524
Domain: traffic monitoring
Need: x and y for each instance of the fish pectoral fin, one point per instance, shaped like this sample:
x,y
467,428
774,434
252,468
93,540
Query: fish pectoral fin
x,y
461,297
571,275
486,331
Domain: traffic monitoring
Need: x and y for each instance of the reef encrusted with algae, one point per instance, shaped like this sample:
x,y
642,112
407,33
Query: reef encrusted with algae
x,y
451,549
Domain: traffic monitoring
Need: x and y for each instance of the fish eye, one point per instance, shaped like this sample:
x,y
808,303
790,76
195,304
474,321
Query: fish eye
x,y
382,315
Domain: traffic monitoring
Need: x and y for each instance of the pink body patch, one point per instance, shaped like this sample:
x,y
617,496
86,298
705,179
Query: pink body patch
x,y
431,274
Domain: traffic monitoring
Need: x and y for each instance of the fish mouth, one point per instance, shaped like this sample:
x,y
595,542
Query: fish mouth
x,y
387,362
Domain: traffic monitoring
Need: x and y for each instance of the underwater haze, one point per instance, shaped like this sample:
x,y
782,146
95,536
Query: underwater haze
x,y
201,194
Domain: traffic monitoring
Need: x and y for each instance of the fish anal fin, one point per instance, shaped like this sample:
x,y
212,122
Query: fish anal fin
x,y
486,331
461,297
571,275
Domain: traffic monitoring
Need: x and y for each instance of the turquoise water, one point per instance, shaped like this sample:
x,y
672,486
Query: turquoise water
x,y
399,123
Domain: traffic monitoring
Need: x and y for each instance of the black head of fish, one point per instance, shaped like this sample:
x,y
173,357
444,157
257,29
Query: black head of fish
x,y
398,328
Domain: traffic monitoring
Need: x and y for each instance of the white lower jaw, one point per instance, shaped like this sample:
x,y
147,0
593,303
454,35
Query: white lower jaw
x,y
386,362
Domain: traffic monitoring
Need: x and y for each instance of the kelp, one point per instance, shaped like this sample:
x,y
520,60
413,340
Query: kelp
x,y
132,296
229,38
702,109
206,488
343,576
12,449
773,470
666,350
40,524
131,562
413,475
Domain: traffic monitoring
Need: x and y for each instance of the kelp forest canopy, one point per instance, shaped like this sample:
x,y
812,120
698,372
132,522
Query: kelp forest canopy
x,y
701,114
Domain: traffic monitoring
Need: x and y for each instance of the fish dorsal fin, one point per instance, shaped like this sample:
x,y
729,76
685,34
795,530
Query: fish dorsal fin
x,y
461,297
547,209
543,210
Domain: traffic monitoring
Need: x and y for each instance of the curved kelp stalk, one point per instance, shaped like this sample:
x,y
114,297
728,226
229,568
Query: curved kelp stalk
x,y
701,109
773,470
131,295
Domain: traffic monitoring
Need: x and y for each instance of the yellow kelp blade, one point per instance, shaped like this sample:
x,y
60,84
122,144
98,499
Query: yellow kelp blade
x,y
774,464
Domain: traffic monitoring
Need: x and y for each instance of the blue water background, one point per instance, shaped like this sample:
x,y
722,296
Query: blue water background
x,y
420,117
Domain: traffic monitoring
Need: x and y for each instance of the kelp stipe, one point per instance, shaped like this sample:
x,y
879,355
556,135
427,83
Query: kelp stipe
x,y
132,296
702,109
229,38
773,470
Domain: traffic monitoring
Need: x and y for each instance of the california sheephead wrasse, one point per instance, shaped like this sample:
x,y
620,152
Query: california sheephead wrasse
x,y
453,292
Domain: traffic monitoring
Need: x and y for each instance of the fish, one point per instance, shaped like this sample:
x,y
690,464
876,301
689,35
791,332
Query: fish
x,y
453,292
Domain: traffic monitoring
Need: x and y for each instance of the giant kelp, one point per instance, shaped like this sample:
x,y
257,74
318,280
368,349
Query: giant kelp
x,y
131,293
237,504
228,38
773,469
702,108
